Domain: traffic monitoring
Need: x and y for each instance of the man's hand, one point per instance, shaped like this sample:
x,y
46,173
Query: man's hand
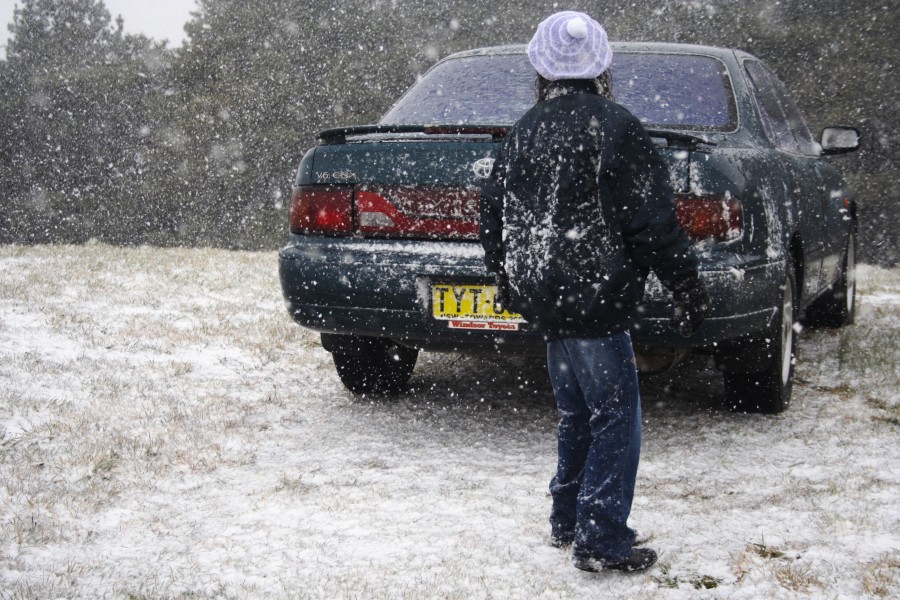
x,y
691,304
501,297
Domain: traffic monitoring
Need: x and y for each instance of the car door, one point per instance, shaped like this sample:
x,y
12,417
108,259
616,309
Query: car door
x,y
788,133
836,218
825,185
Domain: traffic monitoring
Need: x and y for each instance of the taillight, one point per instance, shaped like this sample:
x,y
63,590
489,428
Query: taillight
x,y
322,209
717,218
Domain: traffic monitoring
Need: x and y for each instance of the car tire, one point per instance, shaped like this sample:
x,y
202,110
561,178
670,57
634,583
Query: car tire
x,y
768,391
373,365
837,307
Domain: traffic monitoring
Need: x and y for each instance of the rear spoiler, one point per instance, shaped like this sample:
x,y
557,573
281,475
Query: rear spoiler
x,y
339,135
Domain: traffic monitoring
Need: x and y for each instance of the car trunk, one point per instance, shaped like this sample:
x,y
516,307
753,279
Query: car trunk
x,y
430,188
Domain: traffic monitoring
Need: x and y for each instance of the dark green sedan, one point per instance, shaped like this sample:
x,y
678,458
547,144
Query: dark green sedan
x,y
384,258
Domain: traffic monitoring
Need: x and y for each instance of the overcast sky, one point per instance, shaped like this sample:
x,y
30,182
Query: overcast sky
x,y
159,19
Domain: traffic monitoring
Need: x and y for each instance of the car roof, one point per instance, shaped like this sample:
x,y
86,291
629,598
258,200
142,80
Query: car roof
x,y
661,47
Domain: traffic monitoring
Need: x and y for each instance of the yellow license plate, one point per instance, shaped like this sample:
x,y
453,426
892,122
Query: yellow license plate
x,y
465,306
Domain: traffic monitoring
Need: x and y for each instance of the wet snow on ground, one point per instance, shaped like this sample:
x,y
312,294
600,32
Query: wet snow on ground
x,y
167,432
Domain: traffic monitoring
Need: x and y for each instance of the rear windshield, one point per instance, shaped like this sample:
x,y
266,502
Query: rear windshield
x,y
674,91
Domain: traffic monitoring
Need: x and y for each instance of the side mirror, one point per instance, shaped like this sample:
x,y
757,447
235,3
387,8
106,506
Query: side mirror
x,y
839,140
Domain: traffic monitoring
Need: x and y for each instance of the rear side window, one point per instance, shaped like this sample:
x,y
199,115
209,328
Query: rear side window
x,y
781,118
674,91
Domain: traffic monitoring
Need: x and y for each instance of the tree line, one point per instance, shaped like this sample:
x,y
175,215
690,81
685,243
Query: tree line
x,y
117,137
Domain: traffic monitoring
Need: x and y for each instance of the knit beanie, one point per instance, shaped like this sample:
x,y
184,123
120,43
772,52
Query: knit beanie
x,y
569,45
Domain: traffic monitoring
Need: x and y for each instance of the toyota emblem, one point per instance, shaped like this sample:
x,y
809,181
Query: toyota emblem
x,y
482,167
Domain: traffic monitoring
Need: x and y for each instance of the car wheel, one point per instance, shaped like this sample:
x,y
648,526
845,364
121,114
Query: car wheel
x,y
768,390
374,366
838,306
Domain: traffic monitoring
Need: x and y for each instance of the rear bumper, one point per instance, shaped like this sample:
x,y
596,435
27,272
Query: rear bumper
x,y
382,288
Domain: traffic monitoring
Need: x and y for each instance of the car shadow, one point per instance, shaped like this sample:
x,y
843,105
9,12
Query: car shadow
x,y
516,388
692,387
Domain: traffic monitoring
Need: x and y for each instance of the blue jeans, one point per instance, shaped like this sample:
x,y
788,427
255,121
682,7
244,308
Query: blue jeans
x,y
599,441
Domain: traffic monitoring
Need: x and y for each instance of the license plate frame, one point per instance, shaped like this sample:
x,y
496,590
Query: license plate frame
x,y
470,306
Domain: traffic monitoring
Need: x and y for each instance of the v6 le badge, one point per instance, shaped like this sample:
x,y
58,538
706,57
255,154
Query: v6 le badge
x,y
343,175
482,167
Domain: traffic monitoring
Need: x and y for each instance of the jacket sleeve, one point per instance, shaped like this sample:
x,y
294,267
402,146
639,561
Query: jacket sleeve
x,y
491,213
646,209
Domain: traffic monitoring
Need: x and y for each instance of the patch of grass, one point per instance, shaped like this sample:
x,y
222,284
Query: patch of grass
x,y
293,485
180,368
872,351
104,464
706,582
776,564
875,280
883,405
796,577
765,551
699,582
888,412
889,420
881,577
843,391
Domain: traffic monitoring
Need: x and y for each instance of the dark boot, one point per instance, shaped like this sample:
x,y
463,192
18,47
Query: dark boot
x,y
640,559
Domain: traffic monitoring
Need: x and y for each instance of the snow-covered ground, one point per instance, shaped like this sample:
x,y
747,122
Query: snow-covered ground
x,y
167,432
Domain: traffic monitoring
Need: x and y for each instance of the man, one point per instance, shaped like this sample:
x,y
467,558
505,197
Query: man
x,y
577,209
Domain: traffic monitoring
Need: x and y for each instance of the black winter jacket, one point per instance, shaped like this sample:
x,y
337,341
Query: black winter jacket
x,y
577,208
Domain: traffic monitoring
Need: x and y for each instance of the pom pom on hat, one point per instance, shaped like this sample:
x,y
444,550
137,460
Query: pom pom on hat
x,y
569,45
577,28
